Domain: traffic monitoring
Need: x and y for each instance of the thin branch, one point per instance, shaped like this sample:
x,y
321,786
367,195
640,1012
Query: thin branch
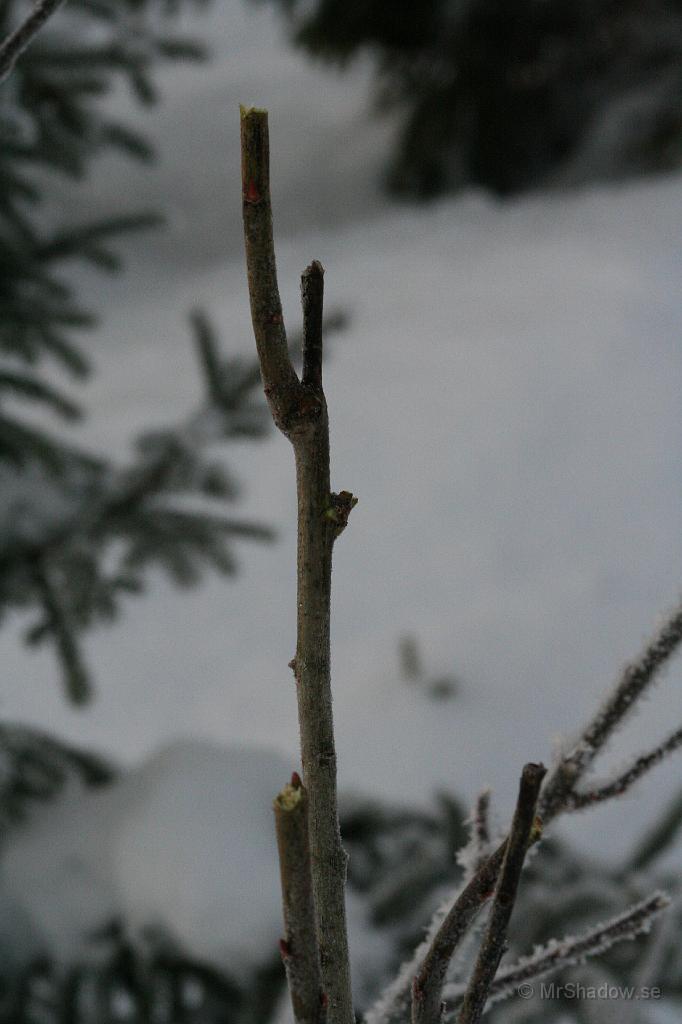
x,y
494,937
300,411
577,800
634,680
312,291
280,382
15,43
299,948
566,952
472,856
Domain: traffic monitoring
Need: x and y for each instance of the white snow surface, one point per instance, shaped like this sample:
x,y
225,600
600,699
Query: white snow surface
x,y
182,847
183,844
505,404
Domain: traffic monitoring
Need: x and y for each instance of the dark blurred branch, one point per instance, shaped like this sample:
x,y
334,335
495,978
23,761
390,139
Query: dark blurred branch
x,y
15,43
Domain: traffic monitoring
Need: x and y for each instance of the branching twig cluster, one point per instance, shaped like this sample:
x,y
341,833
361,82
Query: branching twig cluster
x,y
416,996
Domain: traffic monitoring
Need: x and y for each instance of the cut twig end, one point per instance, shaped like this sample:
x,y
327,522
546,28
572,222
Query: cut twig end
x,y
533,773
290,797
255,155
313,270
245,111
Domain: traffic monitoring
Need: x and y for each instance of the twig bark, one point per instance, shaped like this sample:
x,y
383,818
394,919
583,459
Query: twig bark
x,y
299,948
494,938
299,409
15,43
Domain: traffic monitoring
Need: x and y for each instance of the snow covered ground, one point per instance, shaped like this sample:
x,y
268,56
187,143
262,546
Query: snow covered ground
x,y
178,848
505,404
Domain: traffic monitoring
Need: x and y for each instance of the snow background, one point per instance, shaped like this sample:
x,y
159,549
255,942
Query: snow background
x,y
505,403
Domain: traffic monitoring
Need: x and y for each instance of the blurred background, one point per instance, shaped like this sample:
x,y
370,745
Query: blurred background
x,y
493,190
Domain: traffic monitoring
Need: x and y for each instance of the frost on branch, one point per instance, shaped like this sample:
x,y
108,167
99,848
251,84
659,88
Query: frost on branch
x,y
566,952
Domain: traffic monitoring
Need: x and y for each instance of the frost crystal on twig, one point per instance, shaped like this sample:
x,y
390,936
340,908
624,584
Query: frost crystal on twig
x,y
566,952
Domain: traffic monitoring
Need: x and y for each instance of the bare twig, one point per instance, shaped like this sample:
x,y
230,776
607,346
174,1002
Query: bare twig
x,y
299,948
634,680
15,43
494,937
577,800
299,409
566,952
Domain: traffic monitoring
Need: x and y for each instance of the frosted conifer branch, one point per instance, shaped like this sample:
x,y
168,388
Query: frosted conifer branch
x,y
559,795
560,953
634,680
495,935
616,787
15,43
448,928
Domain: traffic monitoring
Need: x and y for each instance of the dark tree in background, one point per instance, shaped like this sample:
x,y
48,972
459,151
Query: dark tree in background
x,y
512,94
77,530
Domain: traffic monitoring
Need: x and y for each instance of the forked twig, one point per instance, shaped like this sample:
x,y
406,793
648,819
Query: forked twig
x,y
300,411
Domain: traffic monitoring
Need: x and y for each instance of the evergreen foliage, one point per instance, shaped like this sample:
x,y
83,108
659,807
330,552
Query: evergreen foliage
x,y
34,768
505,93
79,531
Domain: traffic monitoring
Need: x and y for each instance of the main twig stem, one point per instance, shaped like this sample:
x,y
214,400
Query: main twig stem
x,y
299,409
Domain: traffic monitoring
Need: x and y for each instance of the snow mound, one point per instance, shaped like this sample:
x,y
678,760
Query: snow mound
x,y
183,844
195,854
